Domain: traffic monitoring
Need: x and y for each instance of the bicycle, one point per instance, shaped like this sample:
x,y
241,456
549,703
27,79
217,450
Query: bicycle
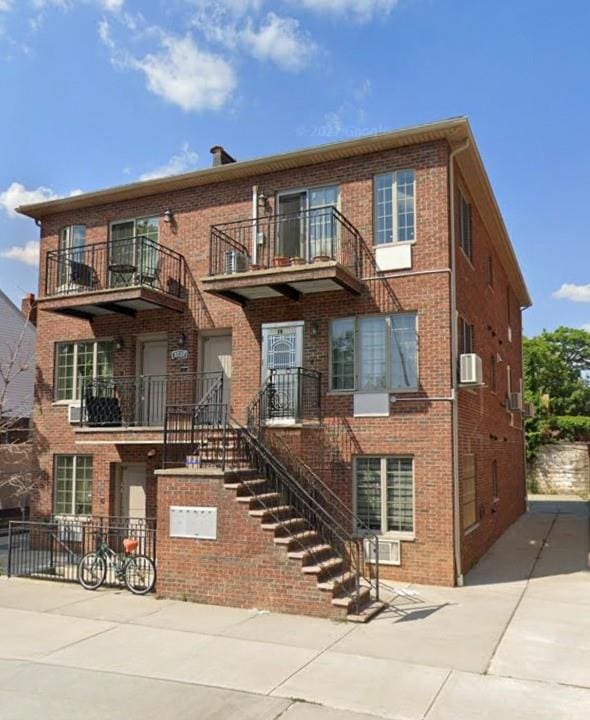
x,y
138,572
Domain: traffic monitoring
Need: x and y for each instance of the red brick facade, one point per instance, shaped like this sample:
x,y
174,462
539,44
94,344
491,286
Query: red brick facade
x,y
419,428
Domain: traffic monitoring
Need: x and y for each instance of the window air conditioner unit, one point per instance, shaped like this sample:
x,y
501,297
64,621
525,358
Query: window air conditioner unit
x,y
235,262
74,413
515,402
529,410
471,372
389,551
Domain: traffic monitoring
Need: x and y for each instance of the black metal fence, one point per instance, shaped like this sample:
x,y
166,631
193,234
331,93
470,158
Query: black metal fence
x,y
288,395
141,401
316,234
53,549
124,263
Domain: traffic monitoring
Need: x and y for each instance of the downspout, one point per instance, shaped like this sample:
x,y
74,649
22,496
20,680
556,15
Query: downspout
x,y
454,382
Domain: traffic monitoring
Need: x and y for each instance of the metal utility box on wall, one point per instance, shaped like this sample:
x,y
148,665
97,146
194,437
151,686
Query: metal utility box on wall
x,y
199,523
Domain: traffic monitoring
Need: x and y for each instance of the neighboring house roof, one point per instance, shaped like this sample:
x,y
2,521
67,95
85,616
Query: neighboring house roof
x,y
454,130
17,335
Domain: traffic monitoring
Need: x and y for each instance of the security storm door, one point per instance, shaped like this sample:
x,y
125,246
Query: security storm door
x,y
152,384
282,357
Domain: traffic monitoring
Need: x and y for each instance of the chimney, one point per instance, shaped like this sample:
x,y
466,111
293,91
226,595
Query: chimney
x,y
28,307
220,156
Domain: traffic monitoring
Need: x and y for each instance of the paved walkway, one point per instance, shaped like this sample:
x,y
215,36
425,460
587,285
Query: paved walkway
x,y
513,643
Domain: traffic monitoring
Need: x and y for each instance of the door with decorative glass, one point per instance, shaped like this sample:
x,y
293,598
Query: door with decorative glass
x,y
282,355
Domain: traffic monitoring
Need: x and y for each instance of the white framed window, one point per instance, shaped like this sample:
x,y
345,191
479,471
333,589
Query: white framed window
x,y
465,337
394,207
465,240
383,494
376,353
75,361
72,239
72,476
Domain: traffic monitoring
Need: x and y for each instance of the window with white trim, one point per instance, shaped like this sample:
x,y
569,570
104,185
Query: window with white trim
x,y
465,337
465,241
394,207
75,361
73,484
384,493
374,353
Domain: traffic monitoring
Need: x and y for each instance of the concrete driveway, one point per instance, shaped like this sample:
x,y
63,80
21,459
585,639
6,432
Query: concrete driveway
x,y
513,643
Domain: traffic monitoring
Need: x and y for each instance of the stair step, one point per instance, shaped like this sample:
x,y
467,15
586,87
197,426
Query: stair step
x,y
285,525
323,567
312,552
367,613
336,583
245,484
296,537
271,512
348,600
271,497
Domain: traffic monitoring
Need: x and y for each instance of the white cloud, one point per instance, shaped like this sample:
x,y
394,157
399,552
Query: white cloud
x,y
27,253
17,194
5,5
183,161
359,10
573,292
112,5
279,40
186,76
104,33
586,327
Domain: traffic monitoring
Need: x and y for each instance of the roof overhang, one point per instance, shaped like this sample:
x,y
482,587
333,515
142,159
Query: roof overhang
x,y
454,130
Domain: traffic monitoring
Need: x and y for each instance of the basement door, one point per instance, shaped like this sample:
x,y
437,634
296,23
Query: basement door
x,y
282,356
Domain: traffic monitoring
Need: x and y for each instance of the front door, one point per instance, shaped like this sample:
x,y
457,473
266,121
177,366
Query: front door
x,y
282,356
132,491
291,225
216,358
152,388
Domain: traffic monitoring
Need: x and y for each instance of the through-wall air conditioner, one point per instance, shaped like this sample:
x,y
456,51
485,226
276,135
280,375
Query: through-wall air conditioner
x,y
74,413
529,410
235,262
515,401
470,369
389,551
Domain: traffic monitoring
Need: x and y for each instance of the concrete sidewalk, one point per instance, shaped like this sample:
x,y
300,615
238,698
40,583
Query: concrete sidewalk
x,y
513,643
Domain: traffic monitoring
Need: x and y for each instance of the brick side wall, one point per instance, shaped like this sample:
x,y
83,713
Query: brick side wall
x,y
486,428
241,568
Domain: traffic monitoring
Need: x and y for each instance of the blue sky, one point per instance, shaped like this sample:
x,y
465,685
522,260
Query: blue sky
x,y
102,92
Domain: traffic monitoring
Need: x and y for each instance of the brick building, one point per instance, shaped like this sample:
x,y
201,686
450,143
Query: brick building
x,y
355,306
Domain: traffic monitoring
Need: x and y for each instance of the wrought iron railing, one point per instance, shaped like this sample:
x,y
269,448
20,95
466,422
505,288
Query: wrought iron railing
x,y
53,549
124,263
196,434
316,234
141,400
288,395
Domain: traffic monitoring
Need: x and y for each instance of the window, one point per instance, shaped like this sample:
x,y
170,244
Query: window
x,y
465,226
393,200
495,479
75,361
465,337
490,271
73,484
134,244
71,245
384,358
384,493
493,373
468,495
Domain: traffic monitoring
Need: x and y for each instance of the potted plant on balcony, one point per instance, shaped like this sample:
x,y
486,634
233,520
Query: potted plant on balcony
x,y
322,258
298,260
280,261
255,266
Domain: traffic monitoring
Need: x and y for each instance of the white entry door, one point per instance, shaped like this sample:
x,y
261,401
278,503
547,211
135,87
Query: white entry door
x,y
216,358
152,399
132,489
282,355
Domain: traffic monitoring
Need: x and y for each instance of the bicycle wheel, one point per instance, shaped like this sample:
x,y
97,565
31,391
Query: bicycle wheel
x,y
140,575
92,571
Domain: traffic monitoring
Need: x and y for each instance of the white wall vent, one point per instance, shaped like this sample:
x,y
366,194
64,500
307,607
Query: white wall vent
x,y
471,371
389,552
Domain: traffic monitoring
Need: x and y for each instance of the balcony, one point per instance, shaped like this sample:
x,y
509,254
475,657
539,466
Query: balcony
x,y
123,402
289,255
118,276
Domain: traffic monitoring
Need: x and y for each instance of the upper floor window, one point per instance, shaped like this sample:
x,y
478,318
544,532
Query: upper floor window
x,y
465,226
468,490
493,372
73,484
139,227
384,493
393,201
465,337
375,353
75,361
70,267
495,493
72,237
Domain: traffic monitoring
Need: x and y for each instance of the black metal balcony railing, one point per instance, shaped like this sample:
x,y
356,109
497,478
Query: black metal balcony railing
x,y
287,395
295,238
123,263
141,401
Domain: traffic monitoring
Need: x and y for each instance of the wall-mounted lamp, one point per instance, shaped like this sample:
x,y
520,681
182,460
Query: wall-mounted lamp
x,y
151,453
119,343
181,339
168,216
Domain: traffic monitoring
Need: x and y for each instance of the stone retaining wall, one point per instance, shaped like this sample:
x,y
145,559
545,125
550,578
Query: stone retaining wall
x,y
561,468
